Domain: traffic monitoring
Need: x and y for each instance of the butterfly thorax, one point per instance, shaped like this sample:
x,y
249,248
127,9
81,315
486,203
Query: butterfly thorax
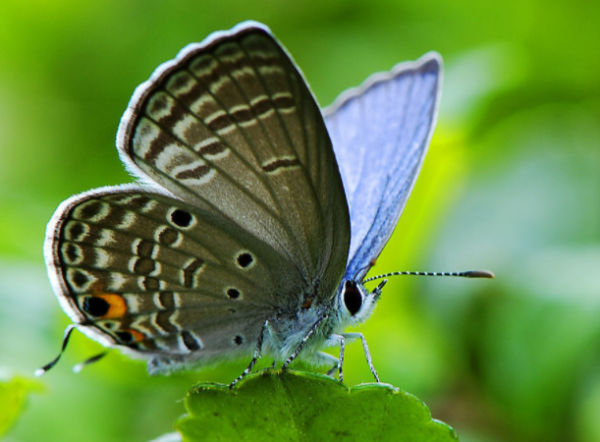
x,y
351,305
285,333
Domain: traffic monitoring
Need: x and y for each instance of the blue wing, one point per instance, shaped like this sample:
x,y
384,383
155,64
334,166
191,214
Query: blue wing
x,y
380,133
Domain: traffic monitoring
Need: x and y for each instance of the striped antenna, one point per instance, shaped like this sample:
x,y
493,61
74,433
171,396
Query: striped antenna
x,y
467,274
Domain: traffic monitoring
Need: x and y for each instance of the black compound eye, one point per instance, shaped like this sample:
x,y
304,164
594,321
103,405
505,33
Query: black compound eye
x,y
352,297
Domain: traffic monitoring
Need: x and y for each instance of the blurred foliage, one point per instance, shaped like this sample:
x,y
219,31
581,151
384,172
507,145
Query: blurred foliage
x,y
275,405
13,396
511,183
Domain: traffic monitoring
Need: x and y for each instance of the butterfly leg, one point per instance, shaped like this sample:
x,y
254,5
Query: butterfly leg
x,y
342,340
257,351
331,359
322,358
366,350
308,335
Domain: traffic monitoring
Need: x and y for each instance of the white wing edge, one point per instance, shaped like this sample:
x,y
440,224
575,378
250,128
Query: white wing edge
x,y
380,77
50,245
129,117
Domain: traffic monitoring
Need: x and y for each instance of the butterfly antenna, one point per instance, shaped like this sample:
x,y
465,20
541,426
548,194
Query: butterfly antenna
x,y
467,274
66,336
77,368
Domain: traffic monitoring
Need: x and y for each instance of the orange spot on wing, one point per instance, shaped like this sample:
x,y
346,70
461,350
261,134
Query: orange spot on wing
x,y
137,335
118,306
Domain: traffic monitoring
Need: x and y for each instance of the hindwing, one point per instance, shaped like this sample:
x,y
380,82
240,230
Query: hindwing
x,y
142,270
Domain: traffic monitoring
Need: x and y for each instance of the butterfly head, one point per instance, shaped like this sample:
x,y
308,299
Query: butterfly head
x,y
356,303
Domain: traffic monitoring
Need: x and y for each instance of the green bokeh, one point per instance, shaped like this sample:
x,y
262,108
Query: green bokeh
x,y
511,183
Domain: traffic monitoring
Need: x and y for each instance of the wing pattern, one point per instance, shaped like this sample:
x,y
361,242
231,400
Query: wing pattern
x,y
142,270
231,127
240,217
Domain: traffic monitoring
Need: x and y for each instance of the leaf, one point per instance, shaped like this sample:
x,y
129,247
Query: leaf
x,y
275,405
13,395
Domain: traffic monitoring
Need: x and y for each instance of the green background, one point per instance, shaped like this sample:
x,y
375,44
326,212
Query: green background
x,y
511,183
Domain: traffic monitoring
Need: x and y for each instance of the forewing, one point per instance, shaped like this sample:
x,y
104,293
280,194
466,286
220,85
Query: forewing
x,y
231,127
157,276
380,133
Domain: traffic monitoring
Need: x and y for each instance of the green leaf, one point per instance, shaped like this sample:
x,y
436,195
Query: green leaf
x,y
275,405
13,395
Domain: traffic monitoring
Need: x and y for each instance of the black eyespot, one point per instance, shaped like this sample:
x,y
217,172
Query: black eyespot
x,y
244,259
352,297
239,340
124,336
233,293
181,218
96,306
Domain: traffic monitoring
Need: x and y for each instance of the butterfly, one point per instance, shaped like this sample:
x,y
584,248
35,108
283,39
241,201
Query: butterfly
x,y
257,214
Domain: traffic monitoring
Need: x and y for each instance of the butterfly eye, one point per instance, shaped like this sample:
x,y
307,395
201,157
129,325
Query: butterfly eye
x,y
352,297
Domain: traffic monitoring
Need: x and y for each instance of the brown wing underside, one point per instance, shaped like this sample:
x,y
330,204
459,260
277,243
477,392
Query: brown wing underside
x,y
231,127
156,275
